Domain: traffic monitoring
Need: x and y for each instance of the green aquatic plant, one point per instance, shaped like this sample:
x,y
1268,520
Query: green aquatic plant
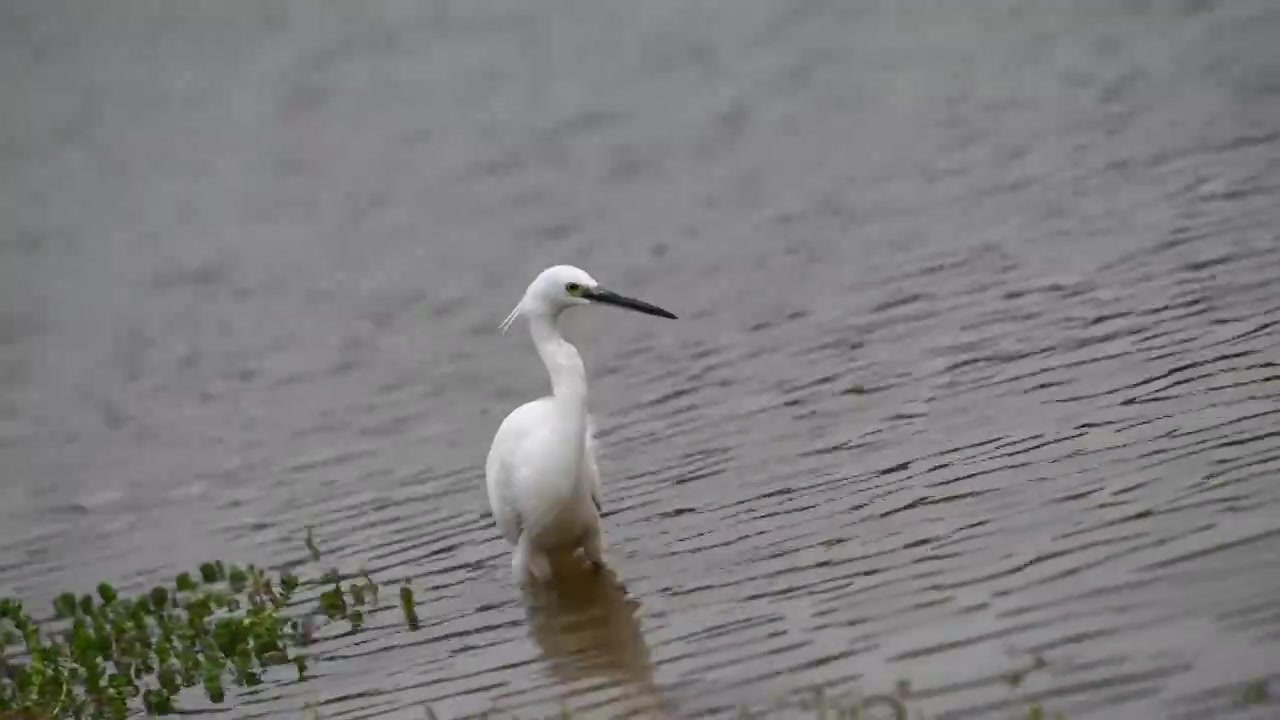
x,y
407,606
1255,692
312,548
108,656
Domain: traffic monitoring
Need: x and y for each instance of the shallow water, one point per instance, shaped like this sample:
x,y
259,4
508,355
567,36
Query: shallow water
x,y
977,358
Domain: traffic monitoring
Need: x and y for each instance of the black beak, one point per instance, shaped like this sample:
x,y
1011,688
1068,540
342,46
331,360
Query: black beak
x,y
609,297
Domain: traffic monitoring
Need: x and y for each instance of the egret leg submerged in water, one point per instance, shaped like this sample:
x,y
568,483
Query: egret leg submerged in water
x,y
541,473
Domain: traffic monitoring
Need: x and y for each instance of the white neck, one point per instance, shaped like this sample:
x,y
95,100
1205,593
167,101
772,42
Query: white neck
x,y
564,364
568,388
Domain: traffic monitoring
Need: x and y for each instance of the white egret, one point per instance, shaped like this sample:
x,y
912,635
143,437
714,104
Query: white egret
x,y
541,472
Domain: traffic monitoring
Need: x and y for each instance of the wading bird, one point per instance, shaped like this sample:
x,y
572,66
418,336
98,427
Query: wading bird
x,y
541,473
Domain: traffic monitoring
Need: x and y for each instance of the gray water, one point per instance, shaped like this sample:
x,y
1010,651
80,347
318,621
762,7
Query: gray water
x,y
976,358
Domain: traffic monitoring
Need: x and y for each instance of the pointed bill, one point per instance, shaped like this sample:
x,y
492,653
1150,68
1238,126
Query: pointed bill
x,y
608,297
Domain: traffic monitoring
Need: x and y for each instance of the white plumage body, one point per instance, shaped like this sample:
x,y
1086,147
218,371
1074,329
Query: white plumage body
x,y
550,495
541,473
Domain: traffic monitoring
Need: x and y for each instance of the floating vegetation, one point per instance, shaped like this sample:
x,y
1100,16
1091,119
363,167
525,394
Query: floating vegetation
x,y
108,656
407,606
311,544
1255,693
851,705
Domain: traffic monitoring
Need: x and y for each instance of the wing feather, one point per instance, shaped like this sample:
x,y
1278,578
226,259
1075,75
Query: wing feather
x,y
590,469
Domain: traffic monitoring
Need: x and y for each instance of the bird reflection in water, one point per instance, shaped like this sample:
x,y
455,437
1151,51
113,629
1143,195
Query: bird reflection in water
x,y
586,627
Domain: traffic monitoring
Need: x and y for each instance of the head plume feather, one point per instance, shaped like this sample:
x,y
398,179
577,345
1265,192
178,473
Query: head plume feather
x,y
515,312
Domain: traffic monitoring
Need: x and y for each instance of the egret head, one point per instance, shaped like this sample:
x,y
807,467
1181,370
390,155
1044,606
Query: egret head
x,y
563,286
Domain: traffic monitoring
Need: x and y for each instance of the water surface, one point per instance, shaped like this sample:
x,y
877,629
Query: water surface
x,y
977,357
